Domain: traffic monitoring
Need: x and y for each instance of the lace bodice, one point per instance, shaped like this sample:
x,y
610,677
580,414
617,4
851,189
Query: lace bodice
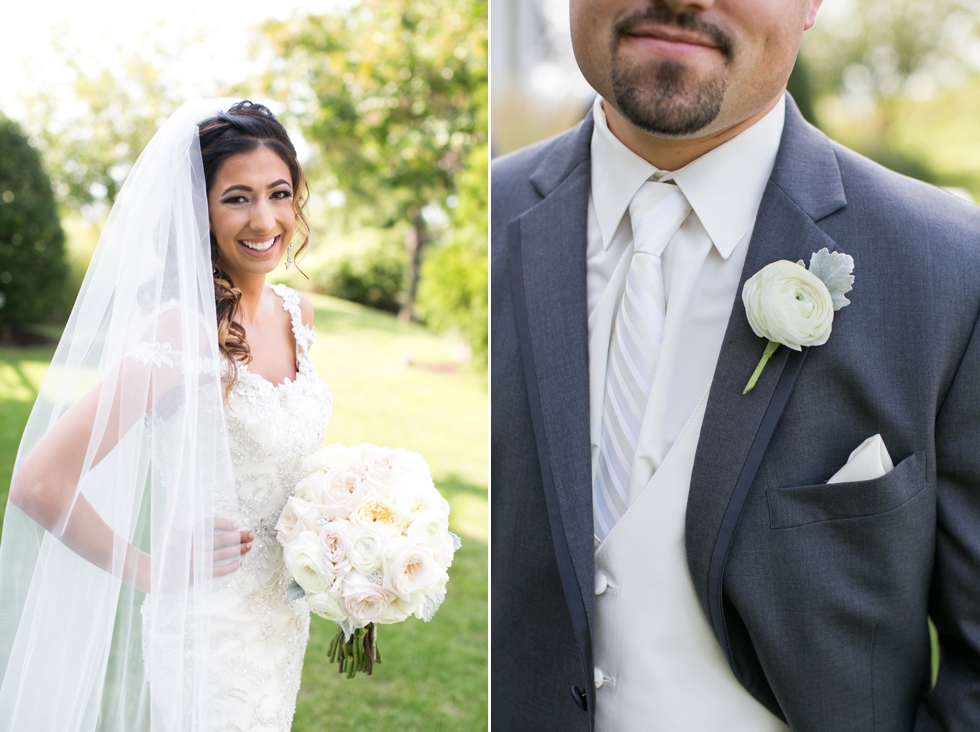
x,y
258,637
271,428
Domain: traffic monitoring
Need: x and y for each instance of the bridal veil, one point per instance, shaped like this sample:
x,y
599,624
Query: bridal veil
x,y
79,649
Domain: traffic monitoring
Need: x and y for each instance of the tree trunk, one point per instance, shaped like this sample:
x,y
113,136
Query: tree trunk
x,y
415,239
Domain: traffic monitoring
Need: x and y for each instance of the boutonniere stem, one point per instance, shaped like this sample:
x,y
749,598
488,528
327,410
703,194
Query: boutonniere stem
x,y
766,355
790,305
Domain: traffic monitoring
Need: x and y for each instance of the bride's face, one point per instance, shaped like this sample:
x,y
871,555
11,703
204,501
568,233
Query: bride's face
x,y
250,202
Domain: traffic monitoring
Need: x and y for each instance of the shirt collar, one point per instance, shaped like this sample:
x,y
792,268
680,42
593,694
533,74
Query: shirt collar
x,y
724,186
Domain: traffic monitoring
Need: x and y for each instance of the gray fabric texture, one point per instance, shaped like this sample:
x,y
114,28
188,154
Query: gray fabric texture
x,y
826,587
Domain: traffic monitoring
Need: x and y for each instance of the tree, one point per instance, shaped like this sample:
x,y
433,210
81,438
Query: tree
x,y
33,270
453,292
886,49
397,99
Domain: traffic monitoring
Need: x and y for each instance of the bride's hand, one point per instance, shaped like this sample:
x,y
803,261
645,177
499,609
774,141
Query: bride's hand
x,y
227,544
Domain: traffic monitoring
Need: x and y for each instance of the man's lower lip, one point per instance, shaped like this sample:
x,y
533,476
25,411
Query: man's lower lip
x,y
671,48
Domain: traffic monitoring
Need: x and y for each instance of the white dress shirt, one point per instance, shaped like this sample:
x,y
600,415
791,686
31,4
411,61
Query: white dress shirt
x,y
702,266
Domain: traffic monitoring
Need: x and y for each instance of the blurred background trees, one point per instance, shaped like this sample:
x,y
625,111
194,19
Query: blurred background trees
x,y
387,101
33,270
397,99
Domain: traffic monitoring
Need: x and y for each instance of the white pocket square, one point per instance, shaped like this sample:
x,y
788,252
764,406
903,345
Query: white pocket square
x,y
869,460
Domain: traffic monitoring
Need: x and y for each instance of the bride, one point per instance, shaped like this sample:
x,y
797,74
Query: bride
x,y
141,583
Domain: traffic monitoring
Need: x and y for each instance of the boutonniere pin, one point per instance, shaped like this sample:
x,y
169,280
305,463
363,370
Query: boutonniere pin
x,y
793,306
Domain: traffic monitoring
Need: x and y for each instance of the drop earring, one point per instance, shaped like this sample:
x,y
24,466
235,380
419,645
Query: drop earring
x,y
289,256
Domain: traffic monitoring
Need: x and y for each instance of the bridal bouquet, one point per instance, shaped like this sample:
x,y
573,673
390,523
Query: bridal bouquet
x,y
366,538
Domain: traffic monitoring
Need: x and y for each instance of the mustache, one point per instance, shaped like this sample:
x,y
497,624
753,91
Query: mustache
x,y
662,15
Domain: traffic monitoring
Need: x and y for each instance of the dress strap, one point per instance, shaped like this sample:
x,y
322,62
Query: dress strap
x,y
302,333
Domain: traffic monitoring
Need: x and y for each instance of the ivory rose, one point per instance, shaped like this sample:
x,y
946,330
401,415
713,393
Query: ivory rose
x,y
787,304
302,559
332,546
411,569
297,516
363,599
365,548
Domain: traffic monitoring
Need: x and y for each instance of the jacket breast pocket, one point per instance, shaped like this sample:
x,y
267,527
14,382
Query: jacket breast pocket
x,y
810,504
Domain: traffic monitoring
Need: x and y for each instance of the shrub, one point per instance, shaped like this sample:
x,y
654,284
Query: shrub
x,y
453,287
371,273
33,267
453,293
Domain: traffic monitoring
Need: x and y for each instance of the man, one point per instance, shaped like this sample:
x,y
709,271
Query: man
x,y
668,553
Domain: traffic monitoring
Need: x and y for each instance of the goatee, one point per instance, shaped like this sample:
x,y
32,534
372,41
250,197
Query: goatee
x,y
659,100
665,97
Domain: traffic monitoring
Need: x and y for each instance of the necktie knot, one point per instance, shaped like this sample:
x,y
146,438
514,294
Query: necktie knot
x,y
656,213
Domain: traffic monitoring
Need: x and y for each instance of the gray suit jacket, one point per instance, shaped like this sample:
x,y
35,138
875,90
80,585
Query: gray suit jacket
x,y
818,594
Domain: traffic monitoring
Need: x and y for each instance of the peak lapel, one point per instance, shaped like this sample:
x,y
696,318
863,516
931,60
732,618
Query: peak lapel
x,y
804,187
547,263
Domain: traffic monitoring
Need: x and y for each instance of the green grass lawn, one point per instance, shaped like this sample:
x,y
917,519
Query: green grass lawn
x,y
434,676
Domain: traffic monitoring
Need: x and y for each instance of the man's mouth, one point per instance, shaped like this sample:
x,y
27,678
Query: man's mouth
x,y
670,35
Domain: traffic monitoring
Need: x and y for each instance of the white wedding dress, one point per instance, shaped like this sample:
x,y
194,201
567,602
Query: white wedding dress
x,y
257,637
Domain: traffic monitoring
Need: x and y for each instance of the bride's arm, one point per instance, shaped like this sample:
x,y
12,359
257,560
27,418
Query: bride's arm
x,y
45,484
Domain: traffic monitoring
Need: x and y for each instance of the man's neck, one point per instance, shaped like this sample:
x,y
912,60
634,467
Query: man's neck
x,y
673,154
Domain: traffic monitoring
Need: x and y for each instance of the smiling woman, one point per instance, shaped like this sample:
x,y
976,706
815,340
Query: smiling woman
x,y
141,583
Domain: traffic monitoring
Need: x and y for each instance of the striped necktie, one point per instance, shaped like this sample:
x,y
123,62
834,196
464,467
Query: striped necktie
x,y
656,213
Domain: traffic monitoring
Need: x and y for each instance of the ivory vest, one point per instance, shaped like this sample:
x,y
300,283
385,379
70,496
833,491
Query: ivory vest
x,y
658,665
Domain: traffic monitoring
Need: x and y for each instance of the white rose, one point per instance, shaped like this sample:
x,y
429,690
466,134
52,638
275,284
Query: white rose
x,y
362,599
418,499
411,569
787,304
302,560
327,605
445,553
430,531
297,516
365,548
333,494
398,610
333,546
378,512
393,466
432,599
357,455
325,458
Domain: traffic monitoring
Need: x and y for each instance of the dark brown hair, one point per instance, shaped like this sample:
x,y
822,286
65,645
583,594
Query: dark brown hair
x,y
242,129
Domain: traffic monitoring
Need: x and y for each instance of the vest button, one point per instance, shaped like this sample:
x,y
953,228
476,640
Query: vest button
x,y
581,698
601,583
599,677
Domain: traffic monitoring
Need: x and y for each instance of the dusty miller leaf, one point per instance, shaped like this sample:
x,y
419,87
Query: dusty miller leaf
x,y
834,270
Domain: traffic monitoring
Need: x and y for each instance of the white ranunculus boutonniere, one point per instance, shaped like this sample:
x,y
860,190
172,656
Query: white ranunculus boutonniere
x,y
793,306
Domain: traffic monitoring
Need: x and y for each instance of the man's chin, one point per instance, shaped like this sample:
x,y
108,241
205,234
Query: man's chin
x,y
665,103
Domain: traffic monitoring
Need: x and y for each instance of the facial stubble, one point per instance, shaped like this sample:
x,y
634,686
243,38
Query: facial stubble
x,y
665,97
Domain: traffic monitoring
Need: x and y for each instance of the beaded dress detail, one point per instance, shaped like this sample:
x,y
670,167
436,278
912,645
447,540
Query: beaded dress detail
x,y
271,428
258,638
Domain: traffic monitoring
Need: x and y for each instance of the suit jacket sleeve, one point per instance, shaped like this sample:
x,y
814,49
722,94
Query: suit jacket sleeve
x,y
954,703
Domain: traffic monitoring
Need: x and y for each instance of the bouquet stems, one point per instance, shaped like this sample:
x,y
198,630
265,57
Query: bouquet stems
x,y
357,653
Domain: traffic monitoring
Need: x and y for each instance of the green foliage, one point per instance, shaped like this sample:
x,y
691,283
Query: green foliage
x,y
396,102
371,274
885,48
33,269
453,291
92,130
399,95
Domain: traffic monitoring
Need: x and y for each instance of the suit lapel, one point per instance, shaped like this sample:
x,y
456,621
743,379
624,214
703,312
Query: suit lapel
x,y
547,263
804,187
